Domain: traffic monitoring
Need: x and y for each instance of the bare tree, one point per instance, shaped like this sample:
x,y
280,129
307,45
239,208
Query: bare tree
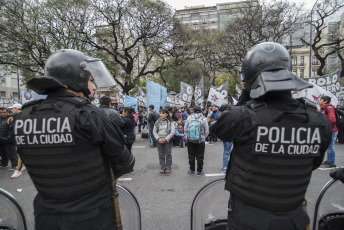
x,y
326,43
30,33
257,22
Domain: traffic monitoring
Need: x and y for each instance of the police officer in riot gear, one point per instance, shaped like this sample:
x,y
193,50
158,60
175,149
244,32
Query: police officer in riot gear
x,y
68,145
278,141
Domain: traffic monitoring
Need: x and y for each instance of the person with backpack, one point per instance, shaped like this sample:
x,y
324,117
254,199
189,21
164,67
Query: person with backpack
x,y
196,129
328,110
152,118
163,133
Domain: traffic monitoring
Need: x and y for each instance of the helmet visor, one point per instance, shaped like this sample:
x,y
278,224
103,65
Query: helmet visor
x,y
99,72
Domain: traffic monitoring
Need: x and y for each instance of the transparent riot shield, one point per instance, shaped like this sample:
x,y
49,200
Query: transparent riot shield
x,y
210,207
11,214
129,209
329,208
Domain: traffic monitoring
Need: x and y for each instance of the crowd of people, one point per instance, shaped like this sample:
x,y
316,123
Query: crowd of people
x,y
277,142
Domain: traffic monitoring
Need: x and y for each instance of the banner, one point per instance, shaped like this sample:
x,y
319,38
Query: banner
x,y
121,99
199,93
185,93
219,96
96,100
156,95
7,102
329,82
171,100
163,96
314,94
141,97
215,97
28,96
131,102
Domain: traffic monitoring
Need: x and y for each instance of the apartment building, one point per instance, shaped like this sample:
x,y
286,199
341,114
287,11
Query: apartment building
x,y
212,17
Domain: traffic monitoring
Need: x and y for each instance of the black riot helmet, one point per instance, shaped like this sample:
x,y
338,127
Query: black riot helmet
x,y
71,69
267,67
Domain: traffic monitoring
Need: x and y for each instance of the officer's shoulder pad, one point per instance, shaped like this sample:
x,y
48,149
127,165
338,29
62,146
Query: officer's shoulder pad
x,y
307,103
32,103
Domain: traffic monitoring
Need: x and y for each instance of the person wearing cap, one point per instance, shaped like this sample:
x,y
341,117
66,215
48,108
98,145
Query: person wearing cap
x,y
328,110
68,148
278,142
7,146
196,130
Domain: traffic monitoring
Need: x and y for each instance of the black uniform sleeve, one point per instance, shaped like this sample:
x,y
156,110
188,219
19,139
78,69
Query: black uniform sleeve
x,y
338,174
110,138
231,123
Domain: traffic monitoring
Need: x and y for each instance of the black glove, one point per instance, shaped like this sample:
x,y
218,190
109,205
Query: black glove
x,y
338,174
244,97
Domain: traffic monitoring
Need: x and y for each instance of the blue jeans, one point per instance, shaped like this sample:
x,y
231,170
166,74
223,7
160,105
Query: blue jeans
x,y
331,154
226,153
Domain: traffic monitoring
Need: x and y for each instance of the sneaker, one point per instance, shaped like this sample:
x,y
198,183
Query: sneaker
x,y
162,171
191,172
23,169
329,165
325,163
167,172
200,173
16,174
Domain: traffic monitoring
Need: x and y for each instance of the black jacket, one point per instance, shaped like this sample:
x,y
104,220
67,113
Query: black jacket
x,y
129,128
113,115
5,137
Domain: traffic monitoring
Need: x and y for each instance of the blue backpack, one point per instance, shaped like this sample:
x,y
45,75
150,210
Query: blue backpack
x,y
194,129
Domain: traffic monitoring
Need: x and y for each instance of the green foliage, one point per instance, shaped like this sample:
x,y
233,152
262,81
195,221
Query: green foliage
x,y
233,78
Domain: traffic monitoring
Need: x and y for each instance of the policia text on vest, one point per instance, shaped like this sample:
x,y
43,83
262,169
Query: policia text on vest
x,y
44,130
279,139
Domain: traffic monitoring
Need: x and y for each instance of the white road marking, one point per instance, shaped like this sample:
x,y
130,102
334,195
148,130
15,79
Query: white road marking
x,y
125,179
139,147
215,174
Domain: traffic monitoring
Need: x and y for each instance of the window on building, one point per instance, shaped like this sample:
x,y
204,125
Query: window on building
x,y
294,60
302,72
302,60
295,71
314,73
2,94
14,82
15,94
315,60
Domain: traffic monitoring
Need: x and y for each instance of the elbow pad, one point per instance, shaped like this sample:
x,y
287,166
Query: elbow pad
x,y
124,163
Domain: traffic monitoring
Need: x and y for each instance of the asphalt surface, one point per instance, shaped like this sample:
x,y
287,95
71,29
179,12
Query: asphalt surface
x,y
165,201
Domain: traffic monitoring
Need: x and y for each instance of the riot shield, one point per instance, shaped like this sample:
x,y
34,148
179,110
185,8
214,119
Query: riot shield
x,y
329,208
210,207
129,209
11,214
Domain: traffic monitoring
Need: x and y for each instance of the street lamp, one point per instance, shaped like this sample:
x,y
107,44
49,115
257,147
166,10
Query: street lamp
x,y
310,41
18,85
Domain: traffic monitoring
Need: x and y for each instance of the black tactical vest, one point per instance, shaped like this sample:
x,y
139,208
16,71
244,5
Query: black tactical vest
x,y
61,162
272,170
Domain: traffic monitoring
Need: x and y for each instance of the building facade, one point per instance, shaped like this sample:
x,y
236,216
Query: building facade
x,y
212,17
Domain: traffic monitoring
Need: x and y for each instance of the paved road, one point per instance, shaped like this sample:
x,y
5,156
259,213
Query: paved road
x,y
165,201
